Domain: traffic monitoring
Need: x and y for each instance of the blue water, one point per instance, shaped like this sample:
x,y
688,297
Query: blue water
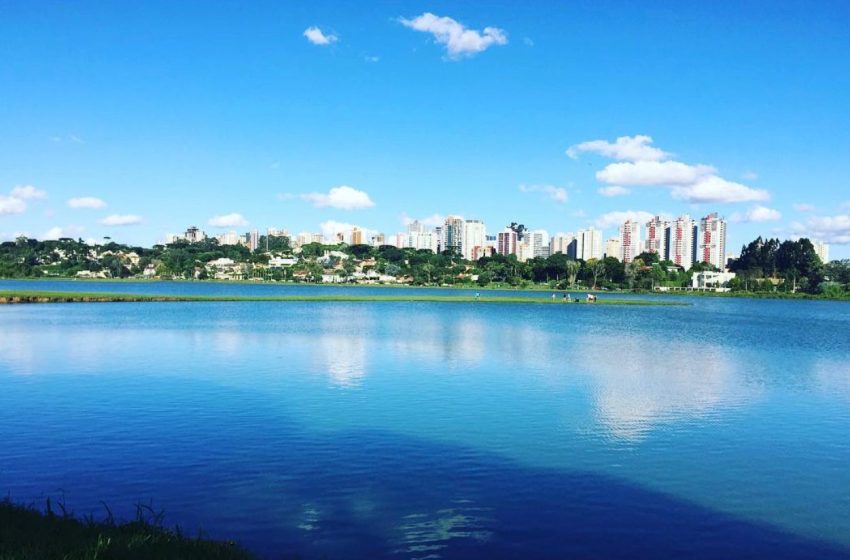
x,y
428,430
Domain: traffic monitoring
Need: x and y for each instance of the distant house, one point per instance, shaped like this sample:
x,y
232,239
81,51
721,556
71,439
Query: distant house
x,y
714,281
280,262
150,271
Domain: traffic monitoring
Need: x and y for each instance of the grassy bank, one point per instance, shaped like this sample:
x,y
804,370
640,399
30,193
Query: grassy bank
x,y
17,296
29,534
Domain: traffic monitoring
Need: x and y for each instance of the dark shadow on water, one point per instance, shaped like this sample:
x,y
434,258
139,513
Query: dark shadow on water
x,y
241,469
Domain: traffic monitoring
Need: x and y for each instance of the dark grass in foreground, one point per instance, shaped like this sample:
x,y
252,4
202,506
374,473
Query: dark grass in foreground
x,y
29,534
15,296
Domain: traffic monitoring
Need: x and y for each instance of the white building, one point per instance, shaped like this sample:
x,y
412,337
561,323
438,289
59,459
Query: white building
x,y
253,240
612,248
474,239
656,238
560,243
630,246
712,241
681,242
718,281
453,230
229,238
821,249
588,244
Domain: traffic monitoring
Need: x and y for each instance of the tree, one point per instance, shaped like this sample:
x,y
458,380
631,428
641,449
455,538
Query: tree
x,y
572,271
597,268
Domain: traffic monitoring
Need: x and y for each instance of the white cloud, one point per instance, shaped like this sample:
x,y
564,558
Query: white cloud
x,y
757,214
342,197
804,208
28,192
372,59
331,228
458,39
121,220
652,173
644,165
433,220
613,191
86,202
715,189
832,229
11,205
616,219
228,220
749,176
557,194
59,232
317,37
626,148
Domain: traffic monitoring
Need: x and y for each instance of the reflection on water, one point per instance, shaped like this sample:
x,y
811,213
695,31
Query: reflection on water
x,y
424,535
642,383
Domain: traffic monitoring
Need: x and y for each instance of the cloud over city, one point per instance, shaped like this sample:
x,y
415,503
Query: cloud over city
x,y
342,198
89,202
228,220
556,194
641,164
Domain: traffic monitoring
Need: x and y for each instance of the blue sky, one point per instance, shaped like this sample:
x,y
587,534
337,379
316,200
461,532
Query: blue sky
x,y
175,113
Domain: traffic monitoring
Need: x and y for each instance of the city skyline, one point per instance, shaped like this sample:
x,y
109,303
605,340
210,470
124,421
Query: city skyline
x,y
325,117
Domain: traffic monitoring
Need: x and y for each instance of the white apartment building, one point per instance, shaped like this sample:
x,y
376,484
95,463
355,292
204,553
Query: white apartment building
x,y
612,247
588,244
474,239
712,241
229,238
452,234
656,237
630,246
821,249
681,241
560,243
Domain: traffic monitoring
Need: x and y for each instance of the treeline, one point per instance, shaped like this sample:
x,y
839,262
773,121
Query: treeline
x,y
764,265
769,265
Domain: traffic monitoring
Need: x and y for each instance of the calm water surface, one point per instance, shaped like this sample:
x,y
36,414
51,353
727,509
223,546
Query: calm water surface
x,y
428,430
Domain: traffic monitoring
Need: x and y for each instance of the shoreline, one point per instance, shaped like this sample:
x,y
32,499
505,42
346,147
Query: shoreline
x,y
535,288
13,297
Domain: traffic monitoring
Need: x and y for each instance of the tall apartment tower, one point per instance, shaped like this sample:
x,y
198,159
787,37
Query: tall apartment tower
x,y
612,247
253,240
506,242
453,234
356,236
712,240
474,239
681,241
588,244
560,243
630,246
656,237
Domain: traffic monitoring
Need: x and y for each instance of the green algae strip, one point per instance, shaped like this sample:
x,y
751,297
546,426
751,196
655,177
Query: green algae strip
x,y
15,296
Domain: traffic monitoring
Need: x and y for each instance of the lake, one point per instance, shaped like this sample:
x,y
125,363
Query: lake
x,y
421,430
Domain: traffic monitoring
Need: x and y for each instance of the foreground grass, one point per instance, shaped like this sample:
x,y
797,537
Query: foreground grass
x,y
29,534
17,296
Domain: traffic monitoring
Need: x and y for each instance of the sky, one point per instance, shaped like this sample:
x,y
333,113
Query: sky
x,y
137,119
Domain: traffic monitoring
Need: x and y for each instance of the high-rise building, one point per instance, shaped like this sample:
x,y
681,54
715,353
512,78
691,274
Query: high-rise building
x,y
378,239
506,242
474,239
612,248
712,241
560,243
253,240
194,235
534,244
681,241
656,241
821,249
356,236
453,234
229,238
630,246
588,244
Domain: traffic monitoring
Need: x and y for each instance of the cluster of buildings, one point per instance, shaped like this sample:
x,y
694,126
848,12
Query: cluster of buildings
x,y
683,240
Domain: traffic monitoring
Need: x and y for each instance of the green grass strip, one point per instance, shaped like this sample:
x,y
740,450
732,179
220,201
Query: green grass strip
x,y
14,296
